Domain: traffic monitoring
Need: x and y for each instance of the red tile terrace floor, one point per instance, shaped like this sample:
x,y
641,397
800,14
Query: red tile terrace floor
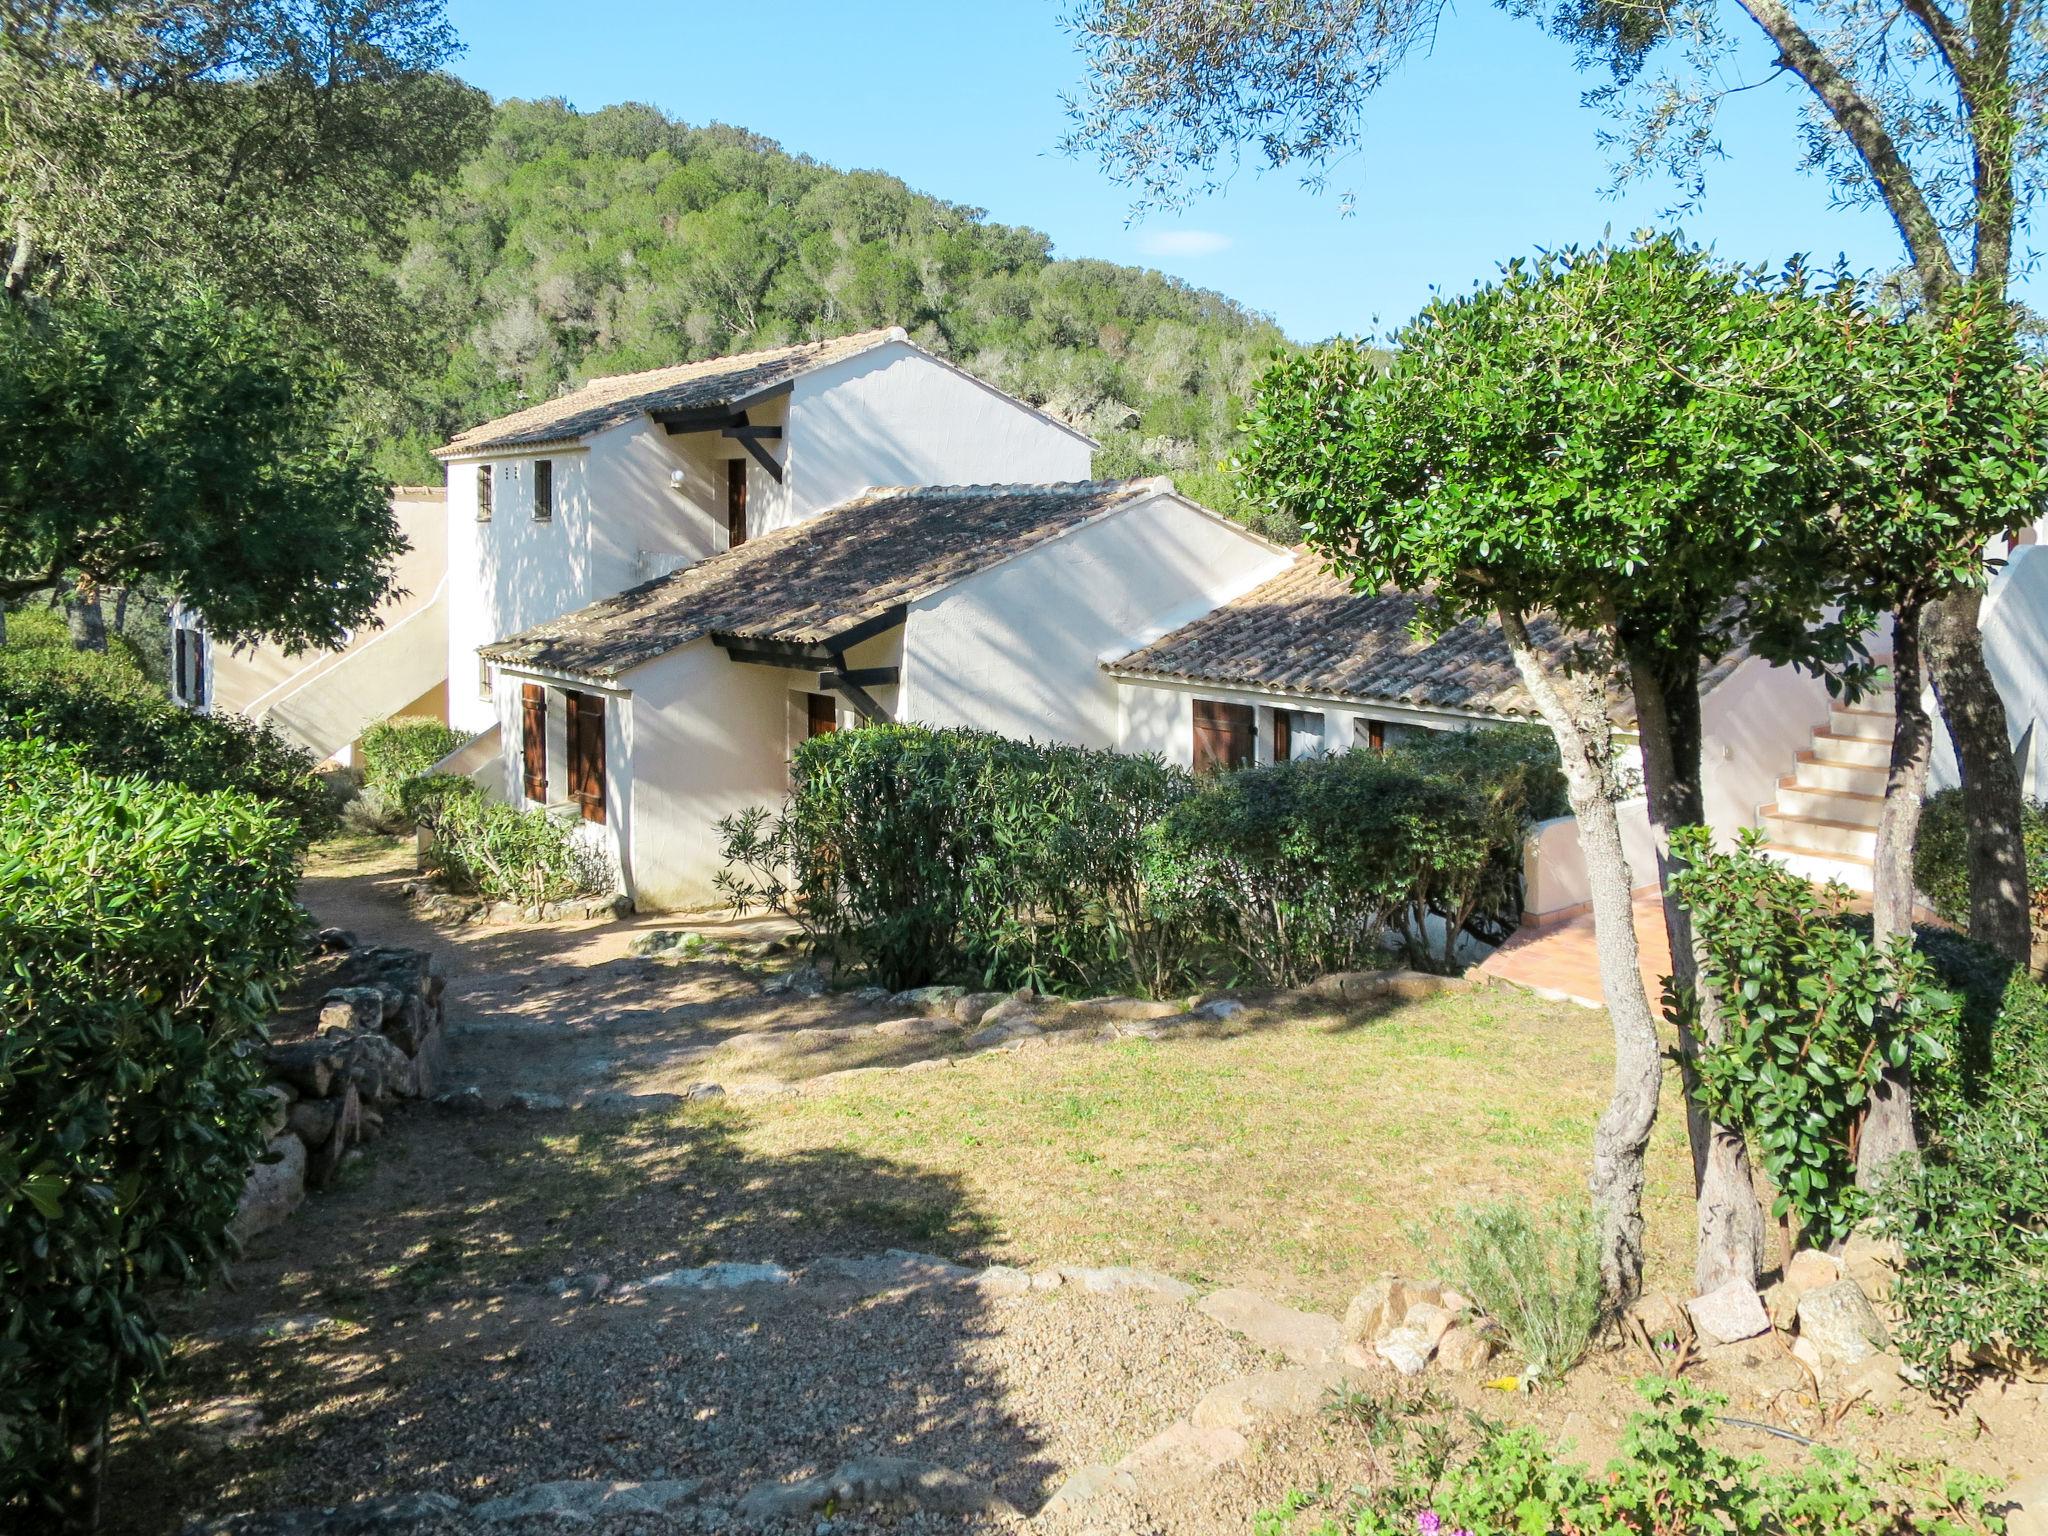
x,y
1559,959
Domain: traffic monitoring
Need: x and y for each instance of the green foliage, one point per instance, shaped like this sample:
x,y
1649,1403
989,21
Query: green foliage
x,y
1972,1216
1812,1014
1537,1274
1487,1480
120,723
144,929
394,752
1301,868
498,852
586,243
919,855
1941,859
186,446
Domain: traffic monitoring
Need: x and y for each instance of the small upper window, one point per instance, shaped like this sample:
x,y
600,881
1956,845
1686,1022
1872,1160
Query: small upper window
x,y
483,493
483,677
543,490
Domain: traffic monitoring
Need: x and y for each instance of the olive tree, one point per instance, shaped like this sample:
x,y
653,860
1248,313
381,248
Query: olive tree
x,y
1932,110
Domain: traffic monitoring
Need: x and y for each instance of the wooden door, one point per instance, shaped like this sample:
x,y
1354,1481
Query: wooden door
x,y
585,730
533,739
1224,734
1283,735
824,714
735,503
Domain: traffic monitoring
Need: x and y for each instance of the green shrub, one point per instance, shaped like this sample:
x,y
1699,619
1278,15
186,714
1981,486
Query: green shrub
x,y
400,749
143,930
918,855
1812,1012
121,724
1537,1274
1301,868
1482,1479
502,854
1941,859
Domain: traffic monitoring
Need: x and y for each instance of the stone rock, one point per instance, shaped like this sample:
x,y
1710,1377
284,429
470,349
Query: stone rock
x,y
1217,1009
1085,1484
885,1482
1465,1351
1133,1009
312,1120
2026,1507
334,939
1047,1280
584,1500
917,1027
587,1286
274,1189
1730,1313
1878,1380
1306,1338
292,1327
894,1270
710,1277
1120,1279
352,1008
1376,1308
467,1100
1181,1453
1405,1350
1292,1393
278,1113
1002,1033
698,1093
1429,1320
1360,986
1840,1323
1003,1280
410,1024
1811,1269
1781,1304
940,1000
308,1065
1871,1261
379,1070
1808,1354
970,1006
1011,1010
869,997
1661,1317
803,981
536,1103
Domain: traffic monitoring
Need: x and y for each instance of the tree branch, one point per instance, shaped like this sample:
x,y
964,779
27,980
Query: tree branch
x,y
1864,127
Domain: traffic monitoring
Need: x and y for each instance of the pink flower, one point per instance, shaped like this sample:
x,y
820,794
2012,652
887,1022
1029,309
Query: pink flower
x,y
1430,1523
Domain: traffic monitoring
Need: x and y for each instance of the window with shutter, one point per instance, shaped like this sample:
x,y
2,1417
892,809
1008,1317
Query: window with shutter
x,y
1224,734
735,503
180,670
586,753
533,727
824,713
1283,735
543,490
483,493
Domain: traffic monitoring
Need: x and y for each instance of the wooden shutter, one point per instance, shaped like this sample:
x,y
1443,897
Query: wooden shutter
x,y
533,743
824,714
586,753
198,652
1283,735
483,493
735,503
543,490
1224,734
1375,734
179,672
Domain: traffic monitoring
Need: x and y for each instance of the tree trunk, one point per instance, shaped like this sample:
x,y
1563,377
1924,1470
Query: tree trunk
x,y
16,282
1730,1217
1576,711
84,617
1888,1126
1992,801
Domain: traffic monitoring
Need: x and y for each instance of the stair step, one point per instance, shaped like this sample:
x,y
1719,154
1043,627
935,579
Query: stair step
x,y
1863,724
1852,751
1812,773
1818,867
1818,835
1848,806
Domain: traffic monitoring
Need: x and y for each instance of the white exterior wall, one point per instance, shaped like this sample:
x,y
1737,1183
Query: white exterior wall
x,y
1753,727
1158,716
613,836
1018,648
897,416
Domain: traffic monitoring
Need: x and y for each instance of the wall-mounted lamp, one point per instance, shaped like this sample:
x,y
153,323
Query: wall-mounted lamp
x,y
678,481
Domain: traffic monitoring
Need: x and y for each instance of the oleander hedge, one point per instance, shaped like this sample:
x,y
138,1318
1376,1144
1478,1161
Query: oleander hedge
x,y
144,931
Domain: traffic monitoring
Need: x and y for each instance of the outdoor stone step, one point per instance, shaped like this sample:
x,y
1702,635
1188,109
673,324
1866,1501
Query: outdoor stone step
x,y
1821,867
1292,1393
1817,836
1811,772
1856,751
1306,1338
1839,805
1864,724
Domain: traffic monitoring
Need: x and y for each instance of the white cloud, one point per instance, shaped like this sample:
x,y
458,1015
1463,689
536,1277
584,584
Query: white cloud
x,y
1182,242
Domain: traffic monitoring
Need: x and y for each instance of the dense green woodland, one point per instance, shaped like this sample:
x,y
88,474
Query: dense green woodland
x,y
576,244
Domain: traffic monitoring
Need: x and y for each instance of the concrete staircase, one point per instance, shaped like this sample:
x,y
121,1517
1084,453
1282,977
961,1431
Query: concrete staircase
x,y
1823,824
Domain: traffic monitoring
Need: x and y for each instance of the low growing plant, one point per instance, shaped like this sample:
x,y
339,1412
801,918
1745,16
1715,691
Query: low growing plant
x,y
1536,1273
144,930
530,857
1941,859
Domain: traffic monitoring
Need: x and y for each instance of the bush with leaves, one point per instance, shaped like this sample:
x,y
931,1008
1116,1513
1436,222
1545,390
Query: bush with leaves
x,y
499,852
144,930
1536,1273
1480,1478
121,723
401,748
1301,868
1813,1013
1941,860
917,855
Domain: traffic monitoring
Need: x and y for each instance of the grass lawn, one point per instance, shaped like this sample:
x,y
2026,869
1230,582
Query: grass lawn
x,y
1296,1154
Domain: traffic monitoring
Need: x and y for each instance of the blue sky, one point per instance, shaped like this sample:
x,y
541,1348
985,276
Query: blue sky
x,y
1480,152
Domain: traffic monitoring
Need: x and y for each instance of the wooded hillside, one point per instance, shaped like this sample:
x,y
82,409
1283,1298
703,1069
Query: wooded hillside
x,y
576,244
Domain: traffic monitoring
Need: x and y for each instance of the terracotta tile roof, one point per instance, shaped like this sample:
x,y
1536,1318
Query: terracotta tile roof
x,y
810,582
607,402
1307,632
